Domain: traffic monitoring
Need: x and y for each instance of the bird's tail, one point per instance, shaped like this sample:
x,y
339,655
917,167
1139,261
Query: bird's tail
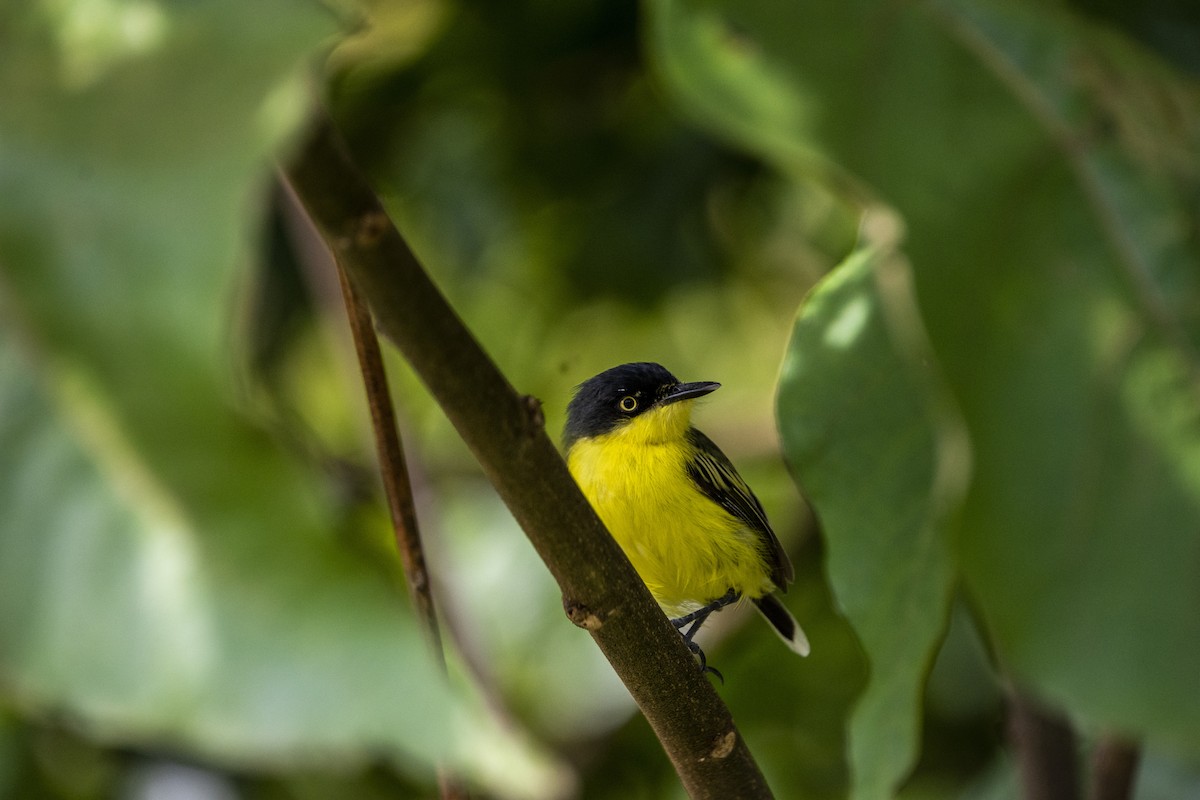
x,y
783,622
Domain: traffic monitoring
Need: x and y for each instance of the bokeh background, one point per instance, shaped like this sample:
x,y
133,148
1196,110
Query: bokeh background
x,y
944,257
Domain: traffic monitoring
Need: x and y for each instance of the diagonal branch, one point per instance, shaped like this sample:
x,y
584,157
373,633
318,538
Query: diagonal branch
x,y
505,431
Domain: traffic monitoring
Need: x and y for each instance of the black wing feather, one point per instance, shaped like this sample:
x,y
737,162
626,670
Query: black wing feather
x,y
712,472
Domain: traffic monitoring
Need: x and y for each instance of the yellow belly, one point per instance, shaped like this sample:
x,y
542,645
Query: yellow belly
x,y
687,549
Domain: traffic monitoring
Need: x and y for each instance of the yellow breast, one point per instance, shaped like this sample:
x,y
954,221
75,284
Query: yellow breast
x,y
687,549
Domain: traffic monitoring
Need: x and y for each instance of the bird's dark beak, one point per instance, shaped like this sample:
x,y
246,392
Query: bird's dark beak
x,y
688,391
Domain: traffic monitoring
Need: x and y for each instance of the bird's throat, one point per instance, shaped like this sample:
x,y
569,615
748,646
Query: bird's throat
x,y
659,425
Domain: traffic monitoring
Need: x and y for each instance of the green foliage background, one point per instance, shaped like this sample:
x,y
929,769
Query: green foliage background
x,y
968,231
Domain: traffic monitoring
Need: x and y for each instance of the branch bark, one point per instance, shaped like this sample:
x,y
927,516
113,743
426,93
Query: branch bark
x,y
1114,768
1046,750
505,430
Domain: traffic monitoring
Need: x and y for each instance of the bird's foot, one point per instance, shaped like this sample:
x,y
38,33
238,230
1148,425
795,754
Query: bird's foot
x,y
703,661
701,614
694,620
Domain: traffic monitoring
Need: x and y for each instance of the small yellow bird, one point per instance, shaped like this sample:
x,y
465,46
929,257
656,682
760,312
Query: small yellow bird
x,y
690,525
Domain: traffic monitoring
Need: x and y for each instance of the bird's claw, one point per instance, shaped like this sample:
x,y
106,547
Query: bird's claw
x,y
695,619
703,661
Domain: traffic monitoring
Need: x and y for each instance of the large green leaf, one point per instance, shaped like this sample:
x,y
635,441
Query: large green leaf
x,y
168,570
881,462
1046,172
1082,530
133,611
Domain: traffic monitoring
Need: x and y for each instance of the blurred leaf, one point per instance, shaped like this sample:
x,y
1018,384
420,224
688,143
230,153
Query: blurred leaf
x,y
390,34
169,578
859,428
963,684
1083,527
1047,174
149,618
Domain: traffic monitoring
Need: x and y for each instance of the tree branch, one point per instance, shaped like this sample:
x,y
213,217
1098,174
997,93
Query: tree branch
x,y
505,431
1045,748
1114,768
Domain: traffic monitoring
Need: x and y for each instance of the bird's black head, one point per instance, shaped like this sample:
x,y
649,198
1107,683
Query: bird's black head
x,y
617,395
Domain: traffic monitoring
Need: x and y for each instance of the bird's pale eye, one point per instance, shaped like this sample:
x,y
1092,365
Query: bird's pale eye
x,y
628,403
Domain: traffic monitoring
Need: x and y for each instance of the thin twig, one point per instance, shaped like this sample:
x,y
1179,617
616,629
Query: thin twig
x,y
506,433
393,469
392,466
1114,767
397,486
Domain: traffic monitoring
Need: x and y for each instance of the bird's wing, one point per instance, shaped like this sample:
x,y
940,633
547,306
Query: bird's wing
x,y
717,478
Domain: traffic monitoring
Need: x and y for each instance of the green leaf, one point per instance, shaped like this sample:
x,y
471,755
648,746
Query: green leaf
x,y
1083,527
879,462
169,575
1046,171
150,618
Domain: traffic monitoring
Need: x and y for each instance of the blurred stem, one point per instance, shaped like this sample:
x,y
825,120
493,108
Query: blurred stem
x,y
396,484
506,432
392,465
1045,748
1114,766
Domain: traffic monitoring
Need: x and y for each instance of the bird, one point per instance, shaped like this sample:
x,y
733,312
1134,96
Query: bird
x,y
690,525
